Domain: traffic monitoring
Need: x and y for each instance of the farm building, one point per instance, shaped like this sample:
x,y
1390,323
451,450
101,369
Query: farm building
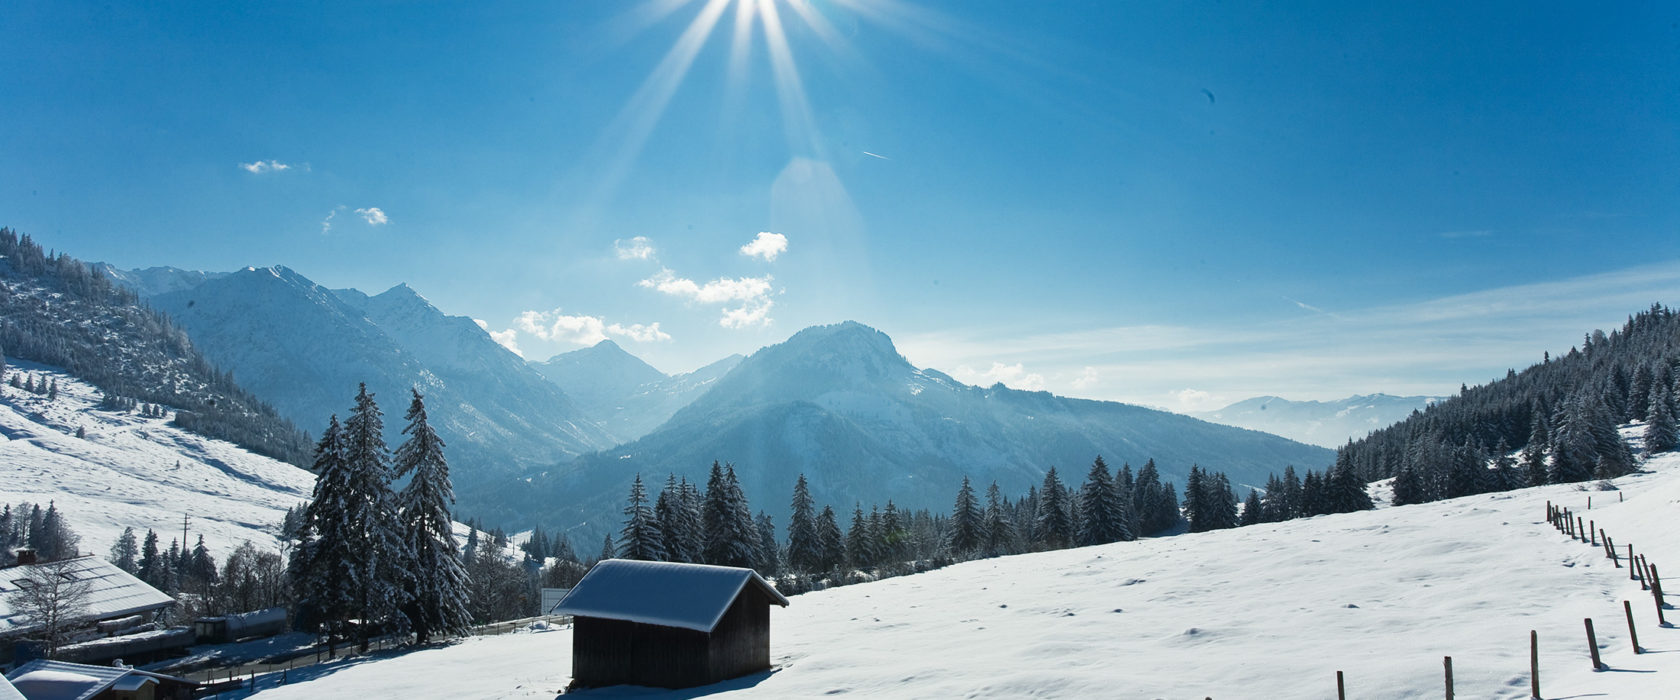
x,y
112,595
668,625
62,679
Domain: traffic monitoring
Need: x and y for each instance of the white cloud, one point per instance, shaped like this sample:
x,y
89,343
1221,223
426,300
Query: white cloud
x,y
374,216
748,297
326,224
264,166
583,330
638,248
1014,376
766,245
507,339
649,333
1196,400
1086,378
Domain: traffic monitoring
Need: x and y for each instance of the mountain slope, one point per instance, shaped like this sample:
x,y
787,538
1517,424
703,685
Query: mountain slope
x,y
1324,423
57,311
1267,611
839,404
625,395
305,348
135,471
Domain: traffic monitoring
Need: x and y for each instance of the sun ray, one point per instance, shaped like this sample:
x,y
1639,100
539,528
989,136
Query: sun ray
x,y
797,121
634,123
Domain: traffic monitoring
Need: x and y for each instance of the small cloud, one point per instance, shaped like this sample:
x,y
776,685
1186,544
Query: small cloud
x,y
1086,378
582,330
264,166
1196,400
1014,376
876,155
1479,233
326,224
749,296
638,248
374,216
649,333
766,245
507,339
1308,307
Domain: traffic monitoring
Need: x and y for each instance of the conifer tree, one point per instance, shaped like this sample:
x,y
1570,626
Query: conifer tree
x,y
1252,513
769,559
126,552
438,590
858,546
676,522
731,536
1054,526
833,543
1103,519
1000,527
607,551
1660,428
640,539
150,565
1195,499
1574,455
804,545
1534,453
967,522
383,556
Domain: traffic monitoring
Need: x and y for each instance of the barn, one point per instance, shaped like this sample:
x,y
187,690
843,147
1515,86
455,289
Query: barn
x,y
668,625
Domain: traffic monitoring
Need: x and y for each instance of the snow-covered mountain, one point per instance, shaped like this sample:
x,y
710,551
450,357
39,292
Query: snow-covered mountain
x,y
1324,423
839,404
130,470
152,281
624,394
305,348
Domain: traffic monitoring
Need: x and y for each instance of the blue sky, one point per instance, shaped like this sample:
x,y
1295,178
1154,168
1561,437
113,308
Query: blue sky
x,y
1177,204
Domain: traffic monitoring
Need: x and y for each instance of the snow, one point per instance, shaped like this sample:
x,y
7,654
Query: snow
x,y
8,691
1269,611
641,591
112,592
138,472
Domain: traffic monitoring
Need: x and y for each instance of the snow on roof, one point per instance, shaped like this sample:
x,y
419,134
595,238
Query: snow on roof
x,y
690,596
112,592
59,680
8,692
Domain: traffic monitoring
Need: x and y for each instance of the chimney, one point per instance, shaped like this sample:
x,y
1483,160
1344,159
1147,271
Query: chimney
x,y
26,556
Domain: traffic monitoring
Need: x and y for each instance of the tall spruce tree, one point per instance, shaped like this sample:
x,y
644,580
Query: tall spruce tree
x,y
1054,525
640,539
676,522
126,552
967,522
1000,526
833,543
1103,516
1661,433
439,588
384,557
731,536
804,542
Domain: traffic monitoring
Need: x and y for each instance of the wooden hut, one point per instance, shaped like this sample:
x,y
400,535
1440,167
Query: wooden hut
x,y
668,625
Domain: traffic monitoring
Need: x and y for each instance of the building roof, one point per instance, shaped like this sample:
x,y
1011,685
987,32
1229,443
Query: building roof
x,y
44,679
8,692
690,596
112,592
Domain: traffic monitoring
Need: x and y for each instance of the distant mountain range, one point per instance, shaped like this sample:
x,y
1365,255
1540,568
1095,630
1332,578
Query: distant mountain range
x,y
305,348
840,405
625,395
1324,423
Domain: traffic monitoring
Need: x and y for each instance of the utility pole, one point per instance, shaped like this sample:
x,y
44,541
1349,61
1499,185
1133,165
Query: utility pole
x,y
181,564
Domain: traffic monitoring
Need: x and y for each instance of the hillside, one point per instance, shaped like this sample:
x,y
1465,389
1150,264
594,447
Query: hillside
x,y
1268,611
135,471
839,404
56,311
305,348
1324,423
625,395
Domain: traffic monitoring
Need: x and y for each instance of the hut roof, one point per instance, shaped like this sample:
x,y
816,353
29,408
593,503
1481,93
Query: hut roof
x,y
112,592
690,596
7,692
43,679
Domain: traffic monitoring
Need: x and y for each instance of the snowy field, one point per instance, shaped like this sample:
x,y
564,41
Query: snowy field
x,y
1271,611
138,472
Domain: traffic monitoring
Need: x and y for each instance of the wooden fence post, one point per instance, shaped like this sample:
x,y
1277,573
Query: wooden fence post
x,y
1656,593
1580,526
1633,634
1592,645
1341,689
1633,573
1549,516
1447,662
1592,531
1534,664
1644,579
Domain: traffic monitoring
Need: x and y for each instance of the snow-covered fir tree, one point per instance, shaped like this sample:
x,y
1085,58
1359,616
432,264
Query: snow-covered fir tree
x,y
833,545
1103,518
804,545
1000,526
968,533
640,538
438,590
1054,525
679,521
1661,434
769,560
731,535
